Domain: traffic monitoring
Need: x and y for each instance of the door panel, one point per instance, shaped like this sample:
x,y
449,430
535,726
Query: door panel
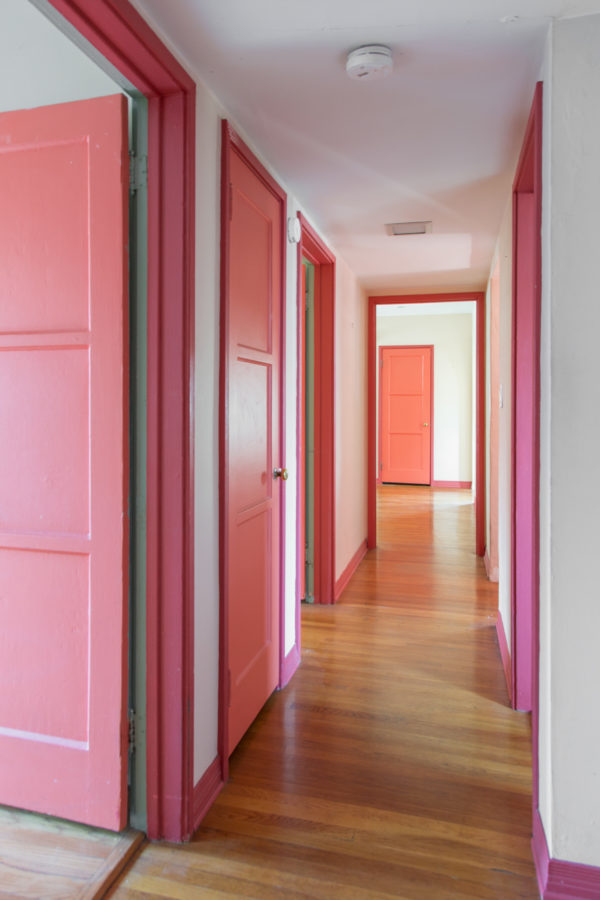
x,y
405,414
63,460
253,443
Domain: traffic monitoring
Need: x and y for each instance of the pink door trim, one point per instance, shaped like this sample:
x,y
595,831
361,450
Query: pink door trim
x,y
526,390
374,302
431,406
229,140
123,37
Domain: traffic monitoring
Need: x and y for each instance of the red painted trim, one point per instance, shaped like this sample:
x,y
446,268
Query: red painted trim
x,y
300,439
374,302
342,582
457,485
372,472
123,37
231,142
206,792
504,653
431,404
290,664
558,879
315,251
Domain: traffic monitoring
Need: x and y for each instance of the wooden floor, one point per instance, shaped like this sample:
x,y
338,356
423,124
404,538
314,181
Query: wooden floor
x,y
392,765
42,858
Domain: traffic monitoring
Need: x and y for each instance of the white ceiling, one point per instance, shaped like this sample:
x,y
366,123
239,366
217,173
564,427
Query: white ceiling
x,y
437,139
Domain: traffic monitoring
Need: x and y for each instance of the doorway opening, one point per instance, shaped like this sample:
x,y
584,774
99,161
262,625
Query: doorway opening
x,y
307,493
373,461
318,478
126,47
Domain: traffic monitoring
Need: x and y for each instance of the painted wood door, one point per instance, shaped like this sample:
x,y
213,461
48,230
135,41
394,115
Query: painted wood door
x,y
255,289
405,433
64,460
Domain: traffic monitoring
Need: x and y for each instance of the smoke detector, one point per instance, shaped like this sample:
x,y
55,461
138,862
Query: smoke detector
x,y
371,61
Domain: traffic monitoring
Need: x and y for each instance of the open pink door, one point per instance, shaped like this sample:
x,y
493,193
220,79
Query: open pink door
x,y
405,415
64,460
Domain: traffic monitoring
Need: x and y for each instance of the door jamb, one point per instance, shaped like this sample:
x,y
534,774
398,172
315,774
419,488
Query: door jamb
x,y
312,248
479,298
528,180
125,40
431,408
230,140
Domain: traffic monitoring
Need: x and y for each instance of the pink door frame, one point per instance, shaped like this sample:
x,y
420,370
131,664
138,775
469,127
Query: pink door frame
x,y
374,302
380,403
229,140
312,248
527,267
123,37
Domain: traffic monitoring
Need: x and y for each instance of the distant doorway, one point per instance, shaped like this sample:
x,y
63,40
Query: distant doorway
x,y
479,404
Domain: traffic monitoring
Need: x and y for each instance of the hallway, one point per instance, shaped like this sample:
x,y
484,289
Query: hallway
x,y
392,765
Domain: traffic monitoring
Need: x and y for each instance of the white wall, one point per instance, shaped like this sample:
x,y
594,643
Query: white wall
x,y
351,416
30,46
569,605
451,336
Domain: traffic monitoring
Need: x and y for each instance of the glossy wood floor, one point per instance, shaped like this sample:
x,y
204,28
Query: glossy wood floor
x,y
392,765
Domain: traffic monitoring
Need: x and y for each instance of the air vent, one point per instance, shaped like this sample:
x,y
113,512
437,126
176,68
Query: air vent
x,y
395,229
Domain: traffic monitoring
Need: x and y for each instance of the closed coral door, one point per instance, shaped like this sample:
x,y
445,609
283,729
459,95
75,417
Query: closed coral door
x,y
405,389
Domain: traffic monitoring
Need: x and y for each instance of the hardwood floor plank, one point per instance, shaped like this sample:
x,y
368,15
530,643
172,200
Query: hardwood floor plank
x,y
392,765
43,857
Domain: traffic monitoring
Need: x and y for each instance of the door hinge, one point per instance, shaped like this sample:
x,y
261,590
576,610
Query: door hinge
x,y
381,362
131,730
138,172
381,467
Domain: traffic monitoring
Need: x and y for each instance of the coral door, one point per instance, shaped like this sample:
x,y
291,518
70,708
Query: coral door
x,y
253,486
405,433
63,460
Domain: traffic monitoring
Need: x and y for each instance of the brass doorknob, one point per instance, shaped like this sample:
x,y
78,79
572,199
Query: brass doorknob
x,y
425,424
281,473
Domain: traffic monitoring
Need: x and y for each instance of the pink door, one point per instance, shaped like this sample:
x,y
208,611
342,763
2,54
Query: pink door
x,y
63,460
405,390
253,443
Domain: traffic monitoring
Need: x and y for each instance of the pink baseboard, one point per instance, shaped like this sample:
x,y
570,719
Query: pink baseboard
x,y
493,574
349,571
290,664
560,880
206,792
463,485
504,653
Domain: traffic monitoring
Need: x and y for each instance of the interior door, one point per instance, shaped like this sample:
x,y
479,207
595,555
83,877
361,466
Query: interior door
x,y
405,388
253,447
64,460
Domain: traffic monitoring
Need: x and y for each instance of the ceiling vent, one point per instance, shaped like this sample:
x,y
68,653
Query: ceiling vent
x,y
372,61
395,229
